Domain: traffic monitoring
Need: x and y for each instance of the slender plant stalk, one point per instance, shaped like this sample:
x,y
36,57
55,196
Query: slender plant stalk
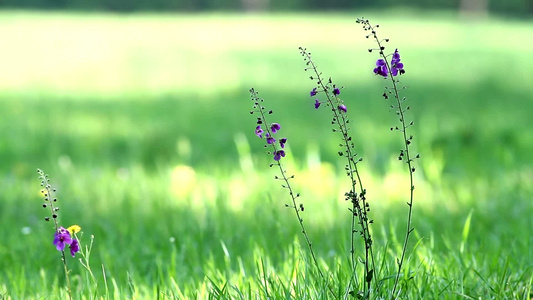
x,y
360,207
66,274
48,193
85,261
286,179
407,141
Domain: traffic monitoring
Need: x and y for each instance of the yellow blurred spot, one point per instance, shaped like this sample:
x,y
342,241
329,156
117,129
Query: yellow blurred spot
x,y
238,192
320,179
74,229
396,186
182,181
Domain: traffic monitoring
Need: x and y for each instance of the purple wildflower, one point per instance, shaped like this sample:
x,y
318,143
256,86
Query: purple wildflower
x,y
313,92
74,247
271,140
282,142
62,238
278,154
336,91
396,65
275,127
396,56
317,103
259,131
381,68
343,108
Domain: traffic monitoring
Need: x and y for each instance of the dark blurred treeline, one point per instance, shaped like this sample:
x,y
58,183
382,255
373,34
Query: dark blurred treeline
x,y
522,7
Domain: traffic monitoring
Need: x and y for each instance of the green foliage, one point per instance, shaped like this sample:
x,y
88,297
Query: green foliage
x,y
516,7
177,211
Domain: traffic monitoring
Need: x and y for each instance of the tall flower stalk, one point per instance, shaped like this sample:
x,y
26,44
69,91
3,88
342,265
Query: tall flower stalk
x,y
268,131
62,236
389,66
360,207
326,94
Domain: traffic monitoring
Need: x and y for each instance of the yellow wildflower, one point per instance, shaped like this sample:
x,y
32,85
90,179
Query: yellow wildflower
x,y
74,229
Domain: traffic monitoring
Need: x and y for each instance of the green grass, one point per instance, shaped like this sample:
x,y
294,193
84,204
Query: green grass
x,y
142,123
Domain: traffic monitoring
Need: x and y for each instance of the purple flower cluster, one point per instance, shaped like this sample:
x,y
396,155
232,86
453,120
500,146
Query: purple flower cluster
x,y
396,66
62,238
274,127
279,154
381,68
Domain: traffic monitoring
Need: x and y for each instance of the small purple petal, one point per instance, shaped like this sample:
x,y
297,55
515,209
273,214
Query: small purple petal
x,y
396,64
74,247
382,70
60,245
259,131
276,156
279,154
336,91
282,142
317,104
275,127
271,140
313,92
62,238
396,55
343,108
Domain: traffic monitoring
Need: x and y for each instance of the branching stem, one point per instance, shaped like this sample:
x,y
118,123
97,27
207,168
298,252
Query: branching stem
x,y
48,193
407,141
297,209
359,204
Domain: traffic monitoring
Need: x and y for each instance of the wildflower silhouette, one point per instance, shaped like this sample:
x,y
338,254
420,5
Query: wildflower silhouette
x,y
278,152
62,236
390,71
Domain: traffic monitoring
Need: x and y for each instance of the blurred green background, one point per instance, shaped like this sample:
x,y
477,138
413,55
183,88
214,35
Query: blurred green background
x,y
521,7
142,121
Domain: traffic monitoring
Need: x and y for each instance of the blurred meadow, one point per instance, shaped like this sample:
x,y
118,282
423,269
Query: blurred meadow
x,y
142,122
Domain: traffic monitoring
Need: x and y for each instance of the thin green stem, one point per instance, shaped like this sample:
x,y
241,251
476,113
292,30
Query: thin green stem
x,y
407,141
86,257
359,204
288,186
66,274
49,197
